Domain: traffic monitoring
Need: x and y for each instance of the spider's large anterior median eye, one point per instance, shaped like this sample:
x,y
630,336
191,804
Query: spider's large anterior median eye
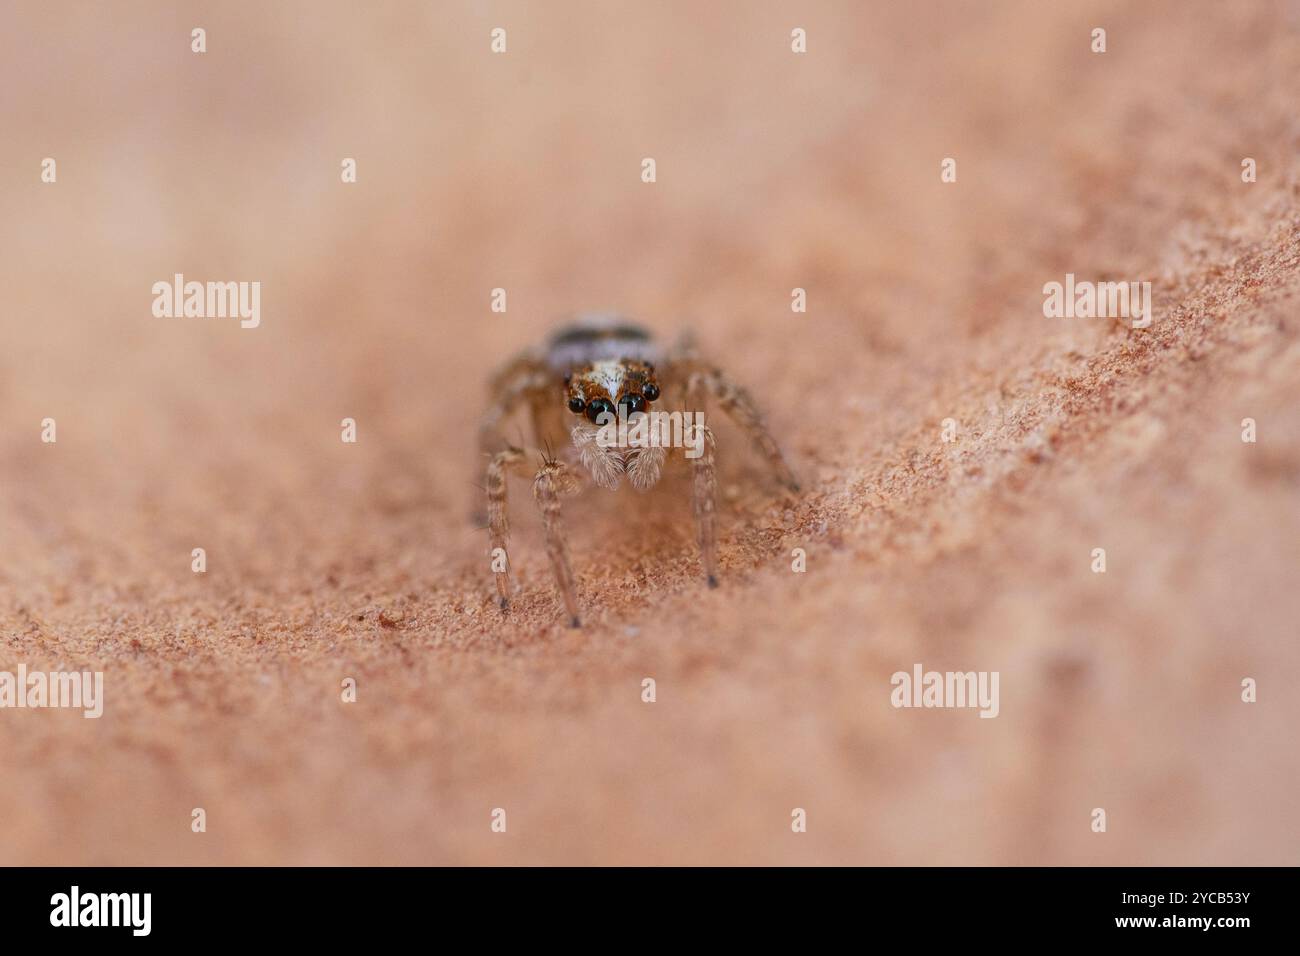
x,y
597,407
632,402
576,405
651,392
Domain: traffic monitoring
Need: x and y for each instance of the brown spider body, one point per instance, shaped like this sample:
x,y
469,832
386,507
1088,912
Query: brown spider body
x,y
588,377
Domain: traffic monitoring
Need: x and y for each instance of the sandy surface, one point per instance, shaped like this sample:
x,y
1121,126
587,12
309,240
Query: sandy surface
x,y
327,560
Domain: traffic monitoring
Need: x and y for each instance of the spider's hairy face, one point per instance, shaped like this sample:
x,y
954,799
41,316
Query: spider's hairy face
x,y
600,387
600,393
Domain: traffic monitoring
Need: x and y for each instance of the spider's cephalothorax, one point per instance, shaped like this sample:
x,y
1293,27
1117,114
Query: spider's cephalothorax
x,y
609,374
588,377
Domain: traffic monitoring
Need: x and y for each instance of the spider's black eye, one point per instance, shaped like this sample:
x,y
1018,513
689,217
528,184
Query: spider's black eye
x,y
576,405
597,407
632,402
651,391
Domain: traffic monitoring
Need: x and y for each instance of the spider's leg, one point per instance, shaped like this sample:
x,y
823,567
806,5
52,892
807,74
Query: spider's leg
x,y
554,480
498,516
516,385
547,426
521,382
704,501
739,405
704,486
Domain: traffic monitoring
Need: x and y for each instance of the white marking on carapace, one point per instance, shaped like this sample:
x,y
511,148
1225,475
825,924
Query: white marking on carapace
x,y
607,375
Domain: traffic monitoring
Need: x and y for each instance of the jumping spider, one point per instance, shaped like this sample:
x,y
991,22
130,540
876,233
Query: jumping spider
x,y
584,375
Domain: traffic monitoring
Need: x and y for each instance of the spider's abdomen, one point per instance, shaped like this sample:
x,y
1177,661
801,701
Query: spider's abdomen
x,y
598,338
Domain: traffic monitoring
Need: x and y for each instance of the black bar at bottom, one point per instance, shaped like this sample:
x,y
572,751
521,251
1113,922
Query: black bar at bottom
x,y
369,905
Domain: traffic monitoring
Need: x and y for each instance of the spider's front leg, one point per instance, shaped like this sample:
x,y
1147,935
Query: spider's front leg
x,y
553,481
735,400
704,502
498,516
704,483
